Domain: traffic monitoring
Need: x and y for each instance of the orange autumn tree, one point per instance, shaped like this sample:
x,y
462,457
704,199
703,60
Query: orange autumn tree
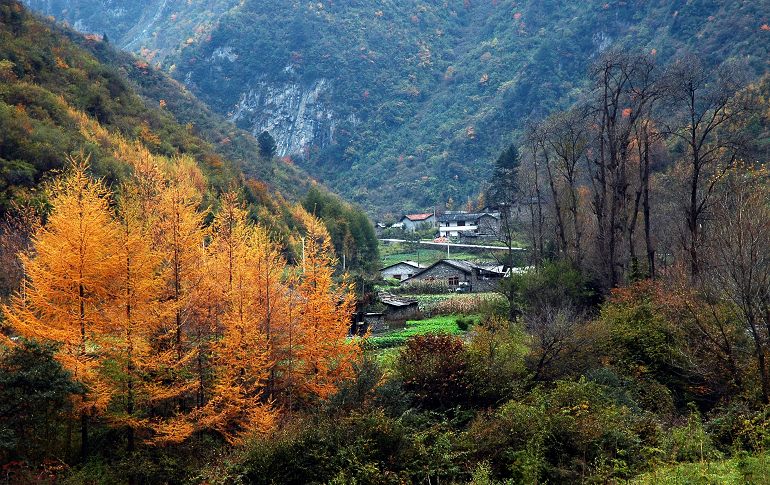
x,y
325,356
69,275
238,402
178,238
132,320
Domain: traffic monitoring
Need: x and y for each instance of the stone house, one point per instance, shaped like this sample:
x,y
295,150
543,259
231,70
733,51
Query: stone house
x,y
415,222
455,274
467,224
398,309
401,270
363,322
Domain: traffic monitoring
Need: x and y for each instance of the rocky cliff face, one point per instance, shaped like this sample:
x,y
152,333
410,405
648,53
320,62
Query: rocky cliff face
x,y
298,116
422,94
154,28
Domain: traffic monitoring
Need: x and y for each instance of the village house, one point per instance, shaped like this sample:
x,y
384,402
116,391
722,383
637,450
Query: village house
x,y
467,224
415,222
401,270
398,309
460,274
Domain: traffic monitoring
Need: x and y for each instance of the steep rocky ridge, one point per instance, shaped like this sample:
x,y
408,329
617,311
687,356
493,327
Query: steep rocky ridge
x,y
154,28
410,100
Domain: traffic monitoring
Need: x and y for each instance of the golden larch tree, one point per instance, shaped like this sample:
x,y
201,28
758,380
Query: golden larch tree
x,y
238,404
179,238
325,353
69,276
132,320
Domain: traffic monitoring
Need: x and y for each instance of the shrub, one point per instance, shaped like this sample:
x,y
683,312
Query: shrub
x,y
434,369
561,435
35,392
690,442
496,351
360,448
463,323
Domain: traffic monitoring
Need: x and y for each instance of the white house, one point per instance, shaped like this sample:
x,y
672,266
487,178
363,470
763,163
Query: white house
x,y
455,224
401,270
414,222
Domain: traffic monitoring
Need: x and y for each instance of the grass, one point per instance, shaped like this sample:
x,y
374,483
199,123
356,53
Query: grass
x,y
441,324
394,253
752,469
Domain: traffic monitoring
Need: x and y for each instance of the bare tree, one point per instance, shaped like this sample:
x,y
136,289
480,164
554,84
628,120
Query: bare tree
x,y
649,153
16,229
566,136
554,331
705,104
532,201
625,85
739,266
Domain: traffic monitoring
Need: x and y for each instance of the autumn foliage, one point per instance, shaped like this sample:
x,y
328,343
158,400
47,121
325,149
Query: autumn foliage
x,y
175,326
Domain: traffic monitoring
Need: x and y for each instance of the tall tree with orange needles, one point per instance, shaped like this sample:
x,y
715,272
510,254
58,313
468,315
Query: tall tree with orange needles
x,y
69,274
325,355
238,403
179,238
131,318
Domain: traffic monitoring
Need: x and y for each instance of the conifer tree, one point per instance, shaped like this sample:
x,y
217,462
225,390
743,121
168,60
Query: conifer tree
x,y
69,276
132,319
324,352
238,403
179,238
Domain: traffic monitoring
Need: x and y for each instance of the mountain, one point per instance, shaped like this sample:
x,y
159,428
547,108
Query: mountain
x,y
64,95
406,101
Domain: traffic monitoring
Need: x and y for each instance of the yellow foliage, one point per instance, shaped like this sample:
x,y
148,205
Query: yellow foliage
x,y
173,326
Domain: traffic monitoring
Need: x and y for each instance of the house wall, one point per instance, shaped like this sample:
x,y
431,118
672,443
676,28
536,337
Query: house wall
x,y
401,269
482,284
412,226
402,313
441,274
488,225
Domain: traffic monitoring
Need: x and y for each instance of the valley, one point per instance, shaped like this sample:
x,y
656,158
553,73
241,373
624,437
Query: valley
x,y
479,242
408,99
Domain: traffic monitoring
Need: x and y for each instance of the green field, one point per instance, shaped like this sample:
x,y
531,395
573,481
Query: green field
x,y
394,253
741,470
441,324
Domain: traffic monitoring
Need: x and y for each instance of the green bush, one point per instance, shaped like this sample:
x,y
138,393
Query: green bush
x,y
35,400
463,323
496,351
561,435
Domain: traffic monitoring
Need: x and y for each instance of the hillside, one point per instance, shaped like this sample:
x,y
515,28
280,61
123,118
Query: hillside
x,y
56,95
64,95
410,99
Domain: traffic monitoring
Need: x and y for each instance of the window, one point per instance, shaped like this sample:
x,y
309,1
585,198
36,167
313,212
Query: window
x,y
461,223
397,276
454,280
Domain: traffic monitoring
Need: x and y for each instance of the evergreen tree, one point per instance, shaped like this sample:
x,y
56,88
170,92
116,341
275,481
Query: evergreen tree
x,y
267,146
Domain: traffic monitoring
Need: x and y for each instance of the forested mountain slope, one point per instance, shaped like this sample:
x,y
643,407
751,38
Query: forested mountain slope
x,y
66,96
413,98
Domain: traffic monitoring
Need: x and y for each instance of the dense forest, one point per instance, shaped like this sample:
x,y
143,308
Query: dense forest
x,y
63,94
176,298
421,93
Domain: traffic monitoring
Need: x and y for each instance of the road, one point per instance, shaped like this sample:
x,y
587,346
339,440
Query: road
x,y
452,245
